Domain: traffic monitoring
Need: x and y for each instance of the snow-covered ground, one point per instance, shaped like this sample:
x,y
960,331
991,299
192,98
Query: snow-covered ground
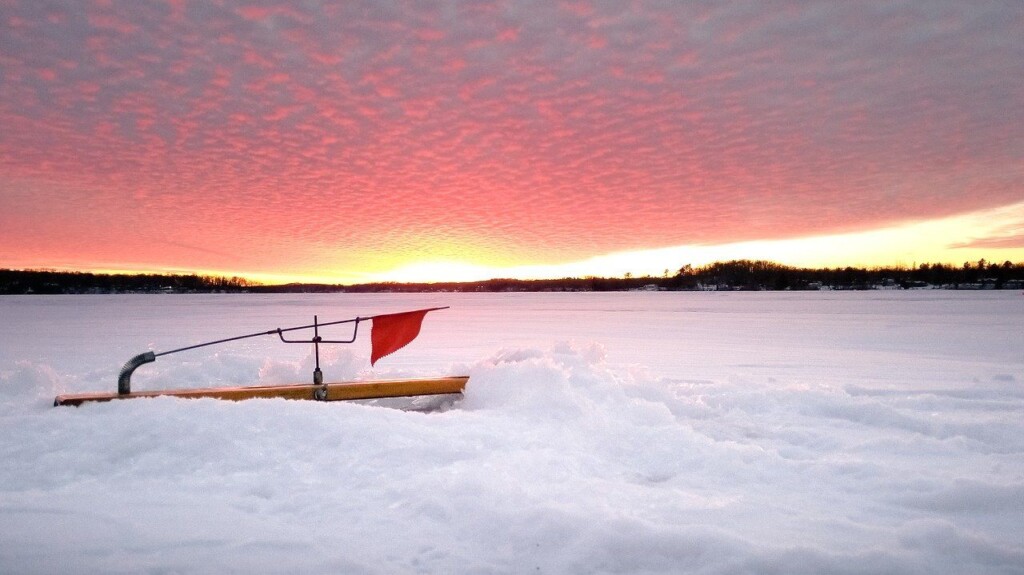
x,y
870,432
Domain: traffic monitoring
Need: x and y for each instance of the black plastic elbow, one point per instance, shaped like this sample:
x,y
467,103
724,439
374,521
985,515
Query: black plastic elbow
x,y
124,379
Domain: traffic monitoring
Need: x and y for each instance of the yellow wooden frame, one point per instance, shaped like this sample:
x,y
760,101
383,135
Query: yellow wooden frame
x,y
335,391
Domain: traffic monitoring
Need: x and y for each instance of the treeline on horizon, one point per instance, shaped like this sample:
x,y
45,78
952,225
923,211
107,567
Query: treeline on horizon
x,y
63,282
731,275
743,275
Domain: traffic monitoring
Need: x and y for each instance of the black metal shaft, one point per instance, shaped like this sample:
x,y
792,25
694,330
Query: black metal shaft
x,y
316,343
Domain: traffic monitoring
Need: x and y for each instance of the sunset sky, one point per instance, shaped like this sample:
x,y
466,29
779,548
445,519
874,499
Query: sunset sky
x,y
359,141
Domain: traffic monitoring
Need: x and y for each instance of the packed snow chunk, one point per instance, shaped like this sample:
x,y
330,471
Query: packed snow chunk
x,y
566,381
28,383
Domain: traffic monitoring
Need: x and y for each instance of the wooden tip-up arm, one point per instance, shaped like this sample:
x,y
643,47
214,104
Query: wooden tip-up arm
x,y
335,391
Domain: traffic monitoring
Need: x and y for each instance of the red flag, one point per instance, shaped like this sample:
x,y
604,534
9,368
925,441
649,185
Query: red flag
x,y
394,331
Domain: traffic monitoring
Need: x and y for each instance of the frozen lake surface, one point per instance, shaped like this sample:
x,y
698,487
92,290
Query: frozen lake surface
x,y
842,432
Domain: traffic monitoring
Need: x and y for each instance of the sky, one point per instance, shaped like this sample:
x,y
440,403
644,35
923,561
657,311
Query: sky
x,y
430,141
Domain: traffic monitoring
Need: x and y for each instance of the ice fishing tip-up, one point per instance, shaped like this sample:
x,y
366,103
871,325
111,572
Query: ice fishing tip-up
x,y
124,377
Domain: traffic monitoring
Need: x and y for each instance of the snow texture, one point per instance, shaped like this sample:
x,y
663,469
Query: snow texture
x,y
872,432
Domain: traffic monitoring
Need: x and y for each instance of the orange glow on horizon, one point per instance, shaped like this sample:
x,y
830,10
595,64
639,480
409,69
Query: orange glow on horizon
x,y
946,240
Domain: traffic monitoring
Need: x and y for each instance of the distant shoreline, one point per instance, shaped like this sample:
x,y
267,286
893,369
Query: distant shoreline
x,y
736,275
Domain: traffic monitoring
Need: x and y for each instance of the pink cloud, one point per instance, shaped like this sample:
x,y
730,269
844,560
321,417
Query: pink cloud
x,y
548,134
1015,241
